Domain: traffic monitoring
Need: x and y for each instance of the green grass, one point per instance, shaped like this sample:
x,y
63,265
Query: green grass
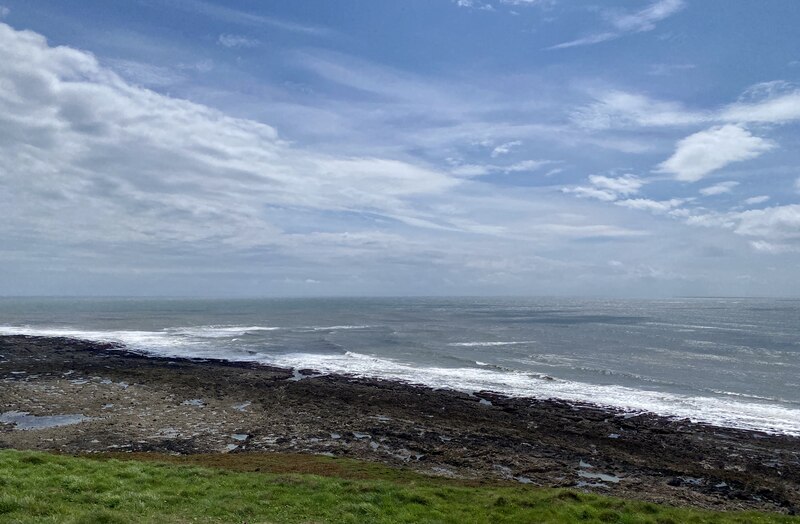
x,y
40,487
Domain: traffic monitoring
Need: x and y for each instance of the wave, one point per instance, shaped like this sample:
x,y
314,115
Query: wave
x,y
218,331
333,328
488,344
741,412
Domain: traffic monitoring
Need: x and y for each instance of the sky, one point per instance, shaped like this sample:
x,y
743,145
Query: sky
x,y
640,148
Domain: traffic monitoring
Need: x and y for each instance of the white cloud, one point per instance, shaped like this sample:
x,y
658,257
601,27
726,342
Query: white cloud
x,y
471,170
624,185
772,229
780,223
528,2
718,189
526,165
592,192
620,109
706,151
646,19
588,231
237,41
756,200
504,149
776,109
607,188
474,4
653,206
625,23
773,248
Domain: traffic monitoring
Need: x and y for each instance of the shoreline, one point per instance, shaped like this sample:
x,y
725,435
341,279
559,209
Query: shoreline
x,y
142,403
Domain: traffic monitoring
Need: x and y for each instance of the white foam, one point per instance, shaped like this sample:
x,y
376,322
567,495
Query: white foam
x,y
334,328
743,413
490,344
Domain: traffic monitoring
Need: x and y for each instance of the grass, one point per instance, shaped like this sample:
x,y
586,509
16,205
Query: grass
x,y
41,487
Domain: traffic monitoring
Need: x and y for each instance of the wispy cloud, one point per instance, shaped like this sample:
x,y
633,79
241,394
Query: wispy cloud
x,y
529,3
719,189
669,69
654,206
707,151
760,199
4,11
246,18
470,170
619,109
145,74
623,23
778,109
504,149
607,188
474,4
234,41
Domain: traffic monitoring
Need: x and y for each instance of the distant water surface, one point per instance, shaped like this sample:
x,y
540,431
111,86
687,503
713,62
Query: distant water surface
x,y
733,362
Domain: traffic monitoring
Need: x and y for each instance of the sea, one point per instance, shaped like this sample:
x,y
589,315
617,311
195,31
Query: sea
x,y
731,362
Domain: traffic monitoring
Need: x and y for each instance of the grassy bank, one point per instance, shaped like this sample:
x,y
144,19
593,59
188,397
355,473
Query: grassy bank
x,y
39,487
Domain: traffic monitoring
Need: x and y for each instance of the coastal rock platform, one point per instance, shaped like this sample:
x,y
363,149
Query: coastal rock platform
x,y
76,396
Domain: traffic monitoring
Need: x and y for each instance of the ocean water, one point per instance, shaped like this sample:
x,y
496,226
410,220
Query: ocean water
x,y
730,362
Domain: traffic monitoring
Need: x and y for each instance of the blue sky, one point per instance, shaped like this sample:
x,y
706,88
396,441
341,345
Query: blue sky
x,y
542,147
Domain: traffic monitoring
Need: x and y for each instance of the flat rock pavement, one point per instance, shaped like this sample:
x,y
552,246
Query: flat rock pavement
x,y
82,397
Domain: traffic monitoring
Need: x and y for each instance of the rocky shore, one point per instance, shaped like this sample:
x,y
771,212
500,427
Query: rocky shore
x,y
83,397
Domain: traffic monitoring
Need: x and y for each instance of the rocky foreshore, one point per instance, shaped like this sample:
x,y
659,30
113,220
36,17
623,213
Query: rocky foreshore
x,y
83,397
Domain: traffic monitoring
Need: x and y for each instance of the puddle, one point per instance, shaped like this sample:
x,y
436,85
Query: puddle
x,y
503,470
107,406
241,437
406,454
230,447
359,436
242,406
485,402
594,475
382,418
523,480
22,420
602,477
614,435
297,376
336,436
194,402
